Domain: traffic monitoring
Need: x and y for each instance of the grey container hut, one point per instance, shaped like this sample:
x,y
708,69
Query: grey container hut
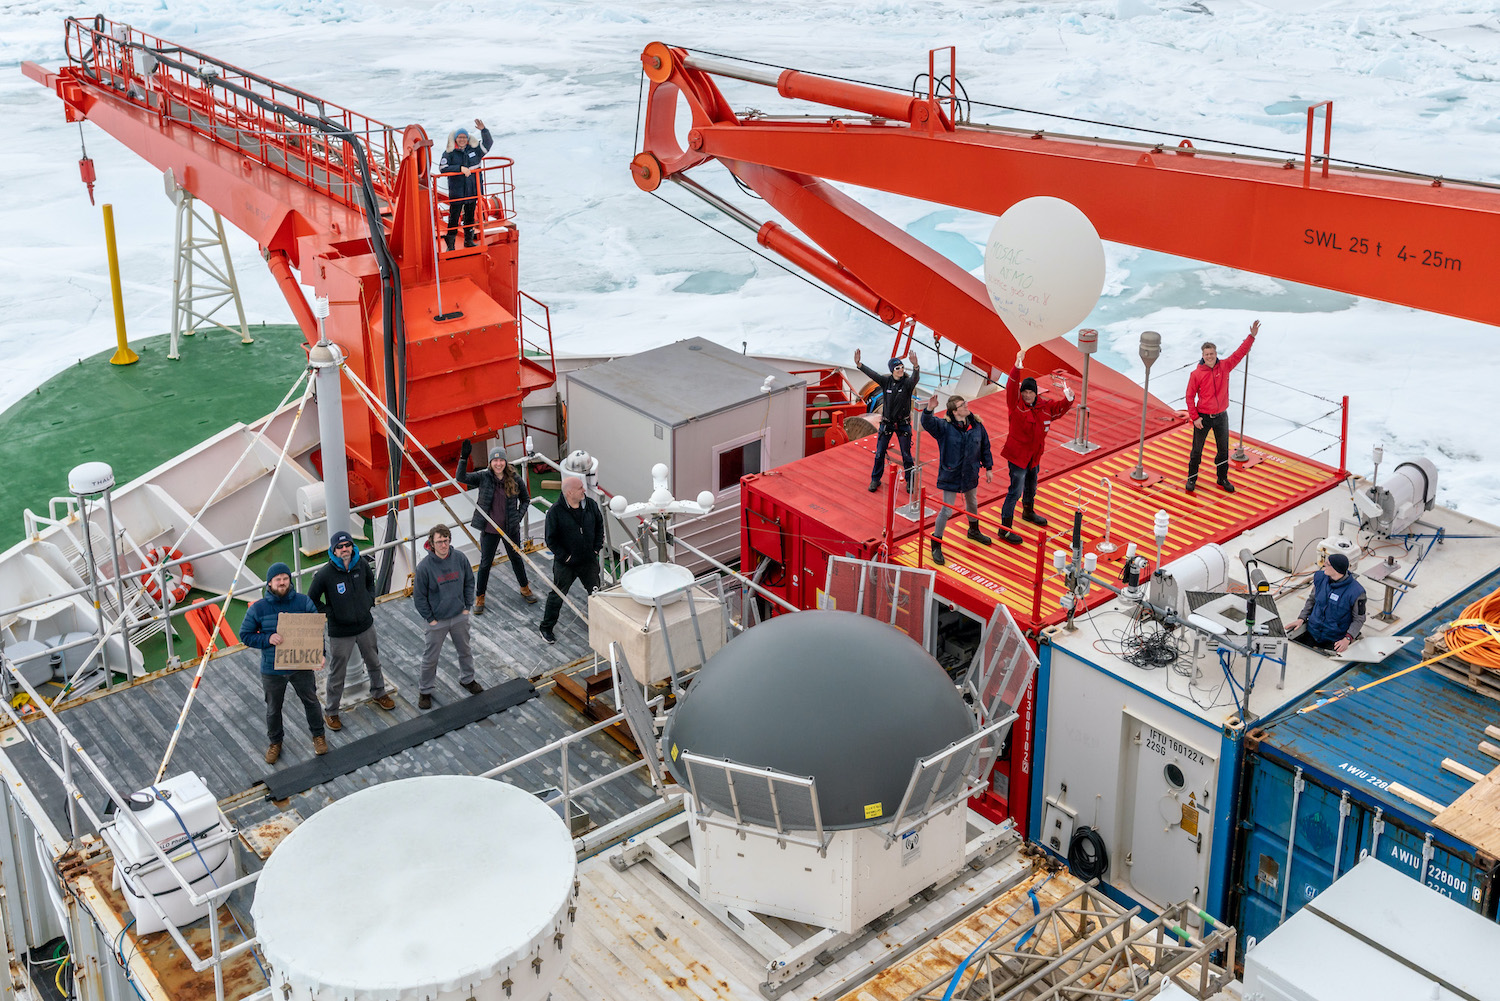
x,y
704,410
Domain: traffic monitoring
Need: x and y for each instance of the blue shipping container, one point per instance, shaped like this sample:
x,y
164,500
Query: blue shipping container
x,y
1319,783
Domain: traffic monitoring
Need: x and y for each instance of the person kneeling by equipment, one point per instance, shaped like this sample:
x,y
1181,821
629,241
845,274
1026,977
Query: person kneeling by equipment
x,y
1335,611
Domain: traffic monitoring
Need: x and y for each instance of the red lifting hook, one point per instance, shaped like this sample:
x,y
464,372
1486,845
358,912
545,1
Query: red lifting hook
x,y
86,171
85,165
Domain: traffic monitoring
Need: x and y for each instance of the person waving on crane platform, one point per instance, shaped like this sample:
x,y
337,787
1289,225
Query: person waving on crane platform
x,y
460,164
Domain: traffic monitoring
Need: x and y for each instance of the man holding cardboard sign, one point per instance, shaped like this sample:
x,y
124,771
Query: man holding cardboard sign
x,y
288,631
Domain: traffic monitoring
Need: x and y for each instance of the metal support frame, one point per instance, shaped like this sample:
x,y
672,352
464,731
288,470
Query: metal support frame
x,y
914,509
892,592
978,752
1086,945
201,285
707,817
789,963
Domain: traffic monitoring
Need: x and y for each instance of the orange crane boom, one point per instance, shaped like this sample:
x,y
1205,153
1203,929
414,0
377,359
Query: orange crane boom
x,y
347,203
1416,241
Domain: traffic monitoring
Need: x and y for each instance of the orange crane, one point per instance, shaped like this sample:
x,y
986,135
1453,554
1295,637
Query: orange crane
x,y
1414,240
346,205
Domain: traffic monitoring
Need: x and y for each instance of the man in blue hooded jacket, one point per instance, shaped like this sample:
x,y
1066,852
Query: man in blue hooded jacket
x,y
259,631
344,590
1335,611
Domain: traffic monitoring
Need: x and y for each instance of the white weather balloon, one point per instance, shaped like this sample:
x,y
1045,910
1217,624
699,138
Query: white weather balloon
x,y
1044,268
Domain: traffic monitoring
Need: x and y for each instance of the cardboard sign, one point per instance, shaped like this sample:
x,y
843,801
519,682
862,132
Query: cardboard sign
x,y
301,647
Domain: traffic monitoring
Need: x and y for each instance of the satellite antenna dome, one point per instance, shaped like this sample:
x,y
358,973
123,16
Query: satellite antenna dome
x,y
849,700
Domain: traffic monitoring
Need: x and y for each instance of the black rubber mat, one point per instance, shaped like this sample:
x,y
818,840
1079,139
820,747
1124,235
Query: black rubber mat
x,y
342,760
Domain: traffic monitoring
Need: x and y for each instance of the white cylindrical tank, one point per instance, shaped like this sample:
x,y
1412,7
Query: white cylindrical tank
x,y
1204,569
182,816
440,888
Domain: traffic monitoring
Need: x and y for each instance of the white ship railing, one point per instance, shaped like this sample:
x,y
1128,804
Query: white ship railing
x,y
71,758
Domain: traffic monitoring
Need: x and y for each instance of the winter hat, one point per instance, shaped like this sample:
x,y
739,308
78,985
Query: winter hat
x,y
1028,385
497,453
276,570
460,132
339,538
1339,562
893,363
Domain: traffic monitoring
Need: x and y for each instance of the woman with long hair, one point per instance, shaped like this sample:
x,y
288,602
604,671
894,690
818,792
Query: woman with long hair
x,y
963,448
502,504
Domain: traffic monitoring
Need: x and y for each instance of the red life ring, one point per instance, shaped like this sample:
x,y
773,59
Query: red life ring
x,y
179,578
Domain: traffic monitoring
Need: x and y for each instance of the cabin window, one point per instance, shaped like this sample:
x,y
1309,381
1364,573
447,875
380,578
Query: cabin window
x,y
739,458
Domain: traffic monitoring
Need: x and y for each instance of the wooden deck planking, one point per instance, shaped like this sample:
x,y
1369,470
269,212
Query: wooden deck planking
x,y
127,730
1474,817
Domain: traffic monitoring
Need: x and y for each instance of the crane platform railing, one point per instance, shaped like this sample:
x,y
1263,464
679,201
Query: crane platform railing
x,y
234,107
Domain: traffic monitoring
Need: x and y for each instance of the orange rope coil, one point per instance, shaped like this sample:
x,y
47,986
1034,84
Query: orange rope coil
x,y
1477,631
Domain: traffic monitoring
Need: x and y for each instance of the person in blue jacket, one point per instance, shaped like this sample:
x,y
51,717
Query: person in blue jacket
x,y
259,631
963,447
460,163
1335,611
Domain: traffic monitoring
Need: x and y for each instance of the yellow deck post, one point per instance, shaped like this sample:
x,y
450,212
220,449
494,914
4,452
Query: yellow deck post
x,y
123,355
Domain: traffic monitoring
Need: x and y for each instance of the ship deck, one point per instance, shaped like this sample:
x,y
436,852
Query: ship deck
x,y
126,730
829,488
978,576
181,401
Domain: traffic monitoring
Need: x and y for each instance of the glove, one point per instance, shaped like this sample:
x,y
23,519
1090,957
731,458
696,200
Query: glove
x,y
1068,393
465,449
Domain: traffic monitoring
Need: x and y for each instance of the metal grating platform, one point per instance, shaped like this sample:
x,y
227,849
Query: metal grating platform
x,y
976,576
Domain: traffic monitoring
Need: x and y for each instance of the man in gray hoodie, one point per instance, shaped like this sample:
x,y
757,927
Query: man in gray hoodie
x,y
444,592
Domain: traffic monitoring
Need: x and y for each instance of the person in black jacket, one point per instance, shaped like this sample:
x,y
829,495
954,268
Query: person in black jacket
x,y
501,506
461,162
344,590
895,413
575,534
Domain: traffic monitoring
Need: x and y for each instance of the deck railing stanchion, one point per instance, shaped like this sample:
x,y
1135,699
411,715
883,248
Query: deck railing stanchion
x,y
1036,596
1344,438
1239,453
166,614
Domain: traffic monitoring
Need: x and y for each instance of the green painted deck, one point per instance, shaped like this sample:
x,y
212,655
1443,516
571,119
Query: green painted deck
x,y
135,417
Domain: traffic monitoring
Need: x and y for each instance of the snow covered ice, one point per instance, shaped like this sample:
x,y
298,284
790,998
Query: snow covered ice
x,y
558,83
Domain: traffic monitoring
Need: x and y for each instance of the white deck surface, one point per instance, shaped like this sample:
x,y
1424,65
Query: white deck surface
x,y
1446,570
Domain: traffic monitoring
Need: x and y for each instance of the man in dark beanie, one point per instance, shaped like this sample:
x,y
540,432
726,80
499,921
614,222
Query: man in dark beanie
x,y
895,412
344,590
1335,611
1030,419
258,631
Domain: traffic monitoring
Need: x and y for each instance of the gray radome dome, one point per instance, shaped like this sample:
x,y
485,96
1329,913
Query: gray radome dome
x,y
850,701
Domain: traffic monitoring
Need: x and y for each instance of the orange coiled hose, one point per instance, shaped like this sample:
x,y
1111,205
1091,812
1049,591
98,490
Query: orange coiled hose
x,y
1477,631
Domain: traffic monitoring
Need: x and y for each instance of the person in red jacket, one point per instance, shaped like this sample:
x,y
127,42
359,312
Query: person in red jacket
x,y
1030,418
1208,406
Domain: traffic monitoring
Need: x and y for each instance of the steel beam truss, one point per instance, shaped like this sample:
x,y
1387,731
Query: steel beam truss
x,y
1086,946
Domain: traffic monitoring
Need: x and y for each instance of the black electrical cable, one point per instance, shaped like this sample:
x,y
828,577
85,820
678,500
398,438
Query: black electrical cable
x,y
1087,856
821,288
394,333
